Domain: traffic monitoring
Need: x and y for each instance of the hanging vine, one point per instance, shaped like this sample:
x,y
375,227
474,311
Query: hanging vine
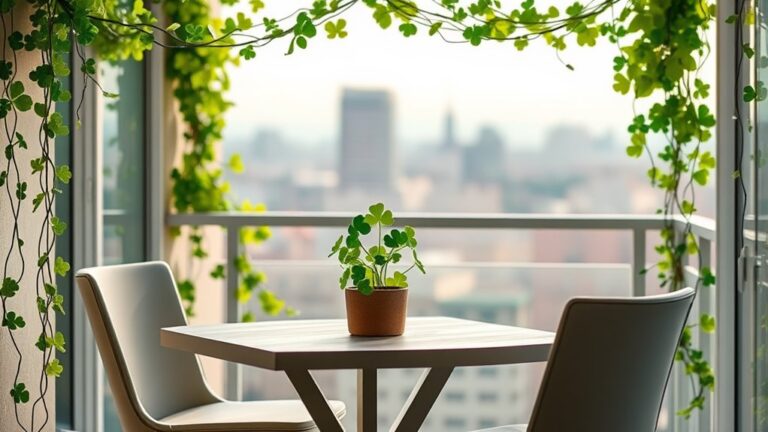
x,y
200,80
661,46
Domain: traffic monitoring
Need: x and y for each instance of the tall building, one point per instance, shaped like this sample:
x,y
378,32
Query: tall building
x,y
449,135
367,158
484,160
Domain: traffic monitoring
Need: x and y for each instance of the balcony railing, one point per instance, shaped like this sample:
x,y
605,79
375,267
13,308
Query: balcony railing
x,y
679,391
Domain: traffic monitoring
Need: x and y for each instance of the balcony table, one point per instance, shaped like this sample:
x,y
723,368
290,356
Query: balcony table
x,y
438,344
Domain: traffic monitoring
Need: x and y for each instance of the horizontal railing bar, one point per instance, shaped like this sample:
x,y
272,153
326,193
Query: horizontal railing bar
x,y
454,265
701,226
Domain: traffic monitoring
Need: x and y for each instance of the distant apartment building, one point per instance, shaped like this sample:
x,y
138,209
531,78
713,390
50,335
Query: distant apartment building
x,y
367,151
484,161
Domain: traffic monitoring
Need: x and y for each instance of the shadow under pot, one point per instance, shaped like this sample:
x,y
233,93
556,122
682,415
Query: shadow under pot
x,y
381,313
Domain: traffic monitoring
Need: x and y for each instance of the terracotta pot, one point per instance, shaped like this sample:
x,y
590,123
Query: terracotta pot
x,y
382,313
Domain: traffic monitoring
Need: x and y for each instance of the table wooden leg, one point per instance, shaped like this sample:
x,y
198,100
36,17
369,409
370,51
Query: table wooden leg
x,y
314,400
366,400
421,400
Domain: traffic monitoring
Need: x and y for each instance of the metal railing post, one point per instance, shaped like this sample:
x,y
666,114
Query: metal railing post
x,y
706,341
234,382
638,262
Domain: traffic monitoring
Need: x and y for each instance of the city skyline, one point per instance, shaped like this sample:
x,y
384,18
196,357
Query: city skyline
x,y
521,93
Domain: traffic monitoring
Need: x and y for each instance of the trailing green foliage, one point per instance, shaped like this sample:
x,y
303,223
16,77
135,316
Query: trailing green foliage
x,y
368,268
200,80
661,45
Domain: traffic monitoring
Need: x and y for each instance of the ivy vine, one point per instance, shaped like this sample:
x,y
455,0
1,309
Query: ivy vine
x,y
661,47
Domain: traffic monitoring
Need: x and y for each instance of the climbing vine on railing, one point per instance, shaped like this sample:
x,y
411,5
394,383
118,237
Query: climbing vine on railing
x,y
199,79
661,46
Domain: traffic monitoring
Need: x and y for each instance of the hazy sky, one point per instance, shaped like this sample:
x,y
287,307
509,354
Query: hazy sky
x,y
522,94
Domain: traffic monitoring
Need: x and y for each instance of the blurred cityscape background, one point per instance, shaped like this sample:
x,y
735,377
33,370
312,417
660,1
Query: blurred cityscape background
x,y
521,277
426,127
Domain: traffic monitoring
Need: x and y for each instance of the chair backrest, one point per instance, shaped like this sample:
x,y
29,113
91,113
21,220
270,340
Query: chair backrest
x,y
127,306
610,363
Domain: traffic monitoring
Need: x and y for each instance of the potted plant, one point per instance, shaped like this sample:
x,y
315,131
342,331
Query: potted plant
x,y
378,298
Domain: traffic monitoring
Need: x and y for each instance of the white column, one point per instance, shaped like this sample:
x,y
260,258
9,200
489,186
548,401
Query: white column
x,y
24,302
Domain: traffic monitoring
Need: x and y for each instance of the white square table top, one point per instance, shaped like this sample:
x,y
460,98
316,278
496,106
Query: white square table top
x,y
326,344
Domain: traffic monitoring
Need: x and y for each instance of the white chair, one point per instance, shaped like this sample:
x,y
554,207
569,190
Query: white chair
x,y
609,365
160,389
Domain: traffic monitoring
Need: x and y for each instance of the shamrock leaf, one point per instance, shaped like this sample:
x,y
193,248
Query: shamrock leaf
x,y
248,53
61,267
19,393
398,280
9,287
13,321
336,29
54,368
336,247
707,323
22,102
57,341
359,225
344,279
378,214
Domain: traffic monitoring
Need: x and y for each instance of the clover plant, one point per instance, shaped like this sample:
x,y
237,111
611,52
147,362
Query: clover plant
x,y
368,268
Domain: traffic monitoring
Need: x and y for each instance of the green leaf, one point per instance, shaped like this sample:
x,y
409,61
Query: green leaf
x,y
173,27
20,394
248,52
16,41
58,226
256,5
748,51
270,303
364,286
344,279
6,70
16,89
9,288
21,191
58,303
236,164
54,368
218,272
63,173
13,321
398,280
701,176
620,83
707,278
408,29
707,323
418,262
23,103
359,225
336,246
57,341
382,16
61,267
434,28
56,126
688,207
336,29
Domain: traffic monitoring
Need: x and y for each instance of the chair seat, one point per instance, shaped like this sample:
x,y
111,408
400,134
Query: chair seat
x,y
273,415
508,428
